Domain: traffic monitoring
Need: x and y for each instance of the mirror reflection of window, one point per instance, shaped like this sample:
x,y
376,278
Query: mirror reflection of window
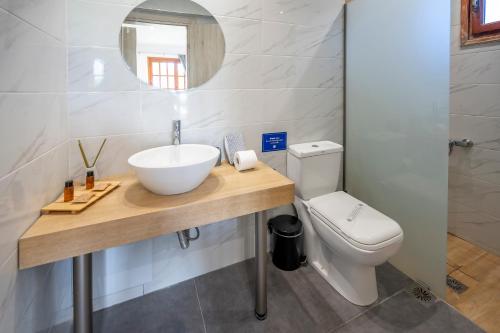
x,y
160,54
172,44
166,73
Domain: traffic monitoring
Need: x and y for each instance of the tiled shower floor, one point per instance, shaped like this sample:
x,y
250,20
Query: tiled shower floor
x,y
299,301
480,272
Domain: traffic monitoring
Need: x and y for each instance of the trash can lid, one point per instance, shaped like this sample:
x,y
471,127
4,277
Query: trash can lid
x,y
286,225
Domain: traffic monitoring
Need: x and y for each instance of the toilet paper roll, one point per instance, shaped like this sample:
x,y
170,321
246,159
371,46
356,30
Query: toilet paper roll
x,y
245,159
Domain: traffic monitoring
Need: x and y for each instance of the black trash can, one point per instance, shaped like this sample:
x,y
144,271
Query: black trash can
x,y
286,242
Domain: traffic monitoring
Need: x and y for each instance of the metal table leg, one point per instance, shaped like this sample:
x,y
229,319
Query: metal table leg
x,y
261,269
82,294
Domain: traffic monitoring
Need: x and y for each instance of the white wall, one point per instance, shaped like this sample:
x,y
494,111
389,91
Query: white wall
x,y
33,153
397,123
474,212
282,72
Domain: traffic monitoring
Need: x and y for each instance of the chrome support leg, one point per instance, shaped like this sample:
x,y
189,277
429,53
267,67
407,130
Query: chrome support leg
x,y
82,294
261,263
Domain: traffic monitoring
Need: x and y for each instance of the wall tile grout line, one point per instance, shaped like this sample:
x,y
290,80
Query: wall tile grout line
x,y
42,155
33,26
199,304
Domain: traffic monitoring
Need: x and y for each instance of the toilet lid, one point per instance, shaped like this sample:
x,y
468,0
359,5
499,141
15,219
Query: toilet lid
x,y
355,221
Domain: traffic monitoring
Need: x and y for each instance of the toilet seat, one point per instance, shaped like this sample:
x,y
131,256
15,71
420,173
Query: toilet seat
x,y
359,224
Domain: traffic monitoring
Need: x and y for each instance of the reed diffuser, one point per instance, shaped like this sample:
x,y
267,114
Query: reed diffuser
x,y
89,181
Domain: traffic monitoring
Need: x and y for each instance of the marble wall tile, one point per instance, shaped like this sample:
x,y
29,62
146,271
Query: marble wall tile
x,y
326,13
279,105
236,8
318,129
19,290
474,225
160,109
483,164
318,103
318,73
92,69
132,3
455,12
277,161
46,15
242,36
279,39
484,131
25,191
242,107
301,12
100,114
226,241
277,72
289,11
121,268
237,72
475,99
20,70
474,193
88,27
197,109
212,136
116,298
481,67
41,118
319,42
203,109
48,301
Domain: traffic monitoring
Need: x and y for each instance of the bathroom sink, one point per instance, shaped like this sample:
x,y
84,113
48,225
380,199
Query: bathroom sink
x,y
174,169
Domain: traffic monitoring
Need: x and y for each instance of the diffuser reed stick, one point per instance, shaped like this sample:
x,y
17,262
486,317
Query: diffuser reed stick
x,y
84,156
99,153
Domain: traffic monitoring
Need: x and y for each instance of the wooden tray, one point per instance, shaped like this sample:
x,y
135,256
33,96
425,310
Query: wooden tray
x,y
59,206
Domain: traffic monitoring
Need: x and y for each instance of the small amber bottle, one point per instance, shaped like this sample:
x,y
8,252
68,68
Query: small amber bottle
x,y
69,191
89,181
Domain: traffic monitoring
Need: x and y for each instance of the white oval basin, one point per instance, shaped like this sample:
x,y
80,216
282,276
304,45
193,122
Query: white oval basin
x,y
174,169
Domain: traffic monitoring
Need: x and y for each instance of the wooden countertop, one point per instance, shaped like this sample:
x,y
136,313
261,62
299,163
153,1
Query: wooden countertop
x,y
131,213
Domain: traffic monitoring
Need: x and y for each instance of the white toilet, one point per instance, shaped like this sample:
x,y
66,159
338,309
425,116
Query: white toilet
x,y
344,238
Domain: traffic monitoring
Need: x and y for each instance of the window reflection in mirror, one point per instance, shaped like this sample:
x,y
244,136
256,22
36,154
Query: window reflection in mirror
x,y
172,44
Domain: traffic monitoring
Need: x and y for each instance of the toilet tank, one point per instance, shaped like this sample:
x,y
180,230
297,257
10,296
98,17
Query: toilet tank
x,y
314,167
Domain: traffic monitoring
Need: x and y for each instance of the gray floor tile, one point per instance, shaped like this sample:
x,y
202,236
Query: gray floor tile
x,y
390,280
65,327
124,317
174,309
298,301
402,313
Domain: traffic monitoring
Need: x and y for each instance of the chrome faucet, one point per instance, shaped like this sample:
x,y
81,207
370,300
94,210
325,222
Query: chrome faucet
x,y
177,132
183,235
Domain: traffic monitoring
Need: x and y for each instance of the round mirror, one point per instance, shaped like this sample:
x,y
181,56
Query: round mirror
x,y
172,44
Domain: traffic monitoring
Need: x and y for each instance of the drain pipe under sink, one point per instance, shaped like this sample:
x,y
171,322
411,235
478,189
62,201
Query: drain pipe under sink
x,y
185,237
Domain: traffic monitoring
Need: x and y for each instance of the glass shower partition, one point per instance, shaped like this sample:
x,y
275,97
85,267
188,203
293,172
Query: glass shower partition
x,y
397,104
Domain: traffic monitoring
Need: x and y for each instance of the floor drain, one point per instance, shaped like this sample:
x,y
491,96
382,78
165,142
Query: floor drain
x,y
421,294
455,285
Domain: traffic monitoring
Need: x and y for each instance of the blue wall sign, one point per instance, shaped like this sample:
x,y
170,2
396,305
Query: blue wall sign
x,y
273,141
